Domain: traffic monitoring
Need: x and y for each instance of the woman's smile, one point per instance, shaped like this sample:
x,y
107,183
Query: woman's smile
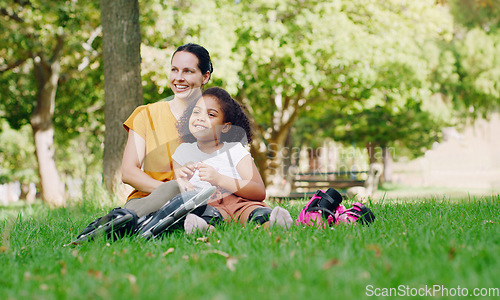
x,y
186,78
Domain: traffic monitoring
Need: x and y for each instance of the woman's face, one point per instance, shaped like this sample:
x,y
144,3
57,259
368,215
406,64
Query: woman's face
x,y
186,78
207,120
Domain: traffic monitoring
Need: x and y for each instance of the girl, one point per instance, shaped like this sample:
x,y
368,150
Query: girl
x,y
214,131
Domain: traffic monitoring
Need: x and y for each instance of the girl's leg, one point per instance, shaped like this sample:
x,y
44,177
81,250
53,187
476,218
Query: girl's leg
x,y
155,200
258,211
267,217
193,223
242,210
203,218
280,217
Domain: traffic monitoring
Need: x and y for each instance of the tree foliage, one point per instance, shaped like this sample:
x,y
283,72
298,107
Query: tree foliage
x,y
30,29
484,14
169,24
361,71
17,155
386,95
469,73
41,39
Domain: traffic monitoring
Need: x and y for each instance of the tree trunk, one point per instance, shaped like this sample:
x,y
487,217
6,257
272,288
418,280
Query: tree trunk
x,y
122,82
388,164
268,145
47,74
258,150
372,155
269,160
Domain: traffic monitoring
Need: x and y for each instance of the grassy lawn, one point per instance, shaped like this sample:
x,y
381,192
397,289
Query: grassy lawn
x,y
413,245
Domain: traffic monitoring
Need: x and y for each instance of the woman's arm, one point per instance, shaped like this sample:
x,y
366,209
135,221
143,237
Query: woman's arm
x,y
250,186
133,157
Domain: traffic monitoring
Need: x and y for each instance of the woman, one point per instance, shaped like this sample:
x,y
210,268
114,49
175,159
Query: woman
x,y
152,139
152,132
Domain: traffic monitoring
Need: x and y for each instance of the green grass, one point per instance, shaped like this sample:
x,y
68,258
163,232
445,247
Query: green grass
x,y
412,244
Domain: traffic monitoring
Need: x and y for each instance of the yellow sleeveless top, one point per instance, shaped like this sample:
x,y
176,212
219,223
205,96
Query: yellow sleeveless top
x,y
156,124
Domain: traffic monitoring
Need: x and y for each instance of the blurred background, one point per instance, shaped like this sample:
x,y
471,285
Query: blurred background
x,y
333,88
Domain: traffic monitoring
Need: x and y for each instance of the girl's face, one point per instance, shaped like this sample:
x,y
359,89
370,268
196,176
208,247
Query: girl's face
x,y
186,78
207,120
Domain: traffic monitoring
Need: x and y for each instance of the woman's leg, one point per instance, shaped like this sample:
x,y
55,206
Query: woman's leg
x,y
155,200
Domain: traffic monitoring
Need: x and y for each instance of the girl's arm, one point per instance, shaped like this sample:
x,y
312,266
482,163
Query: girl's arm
x,y
250,186
133,157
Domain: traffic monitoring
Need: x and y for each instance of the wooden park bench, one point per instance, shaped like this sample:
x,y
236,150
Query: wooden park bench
x,y
306,184
349,184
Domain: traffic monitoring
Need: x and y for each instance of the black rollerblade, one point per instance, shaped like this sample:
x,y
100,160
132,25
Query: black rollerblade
x,y
117,223
172,212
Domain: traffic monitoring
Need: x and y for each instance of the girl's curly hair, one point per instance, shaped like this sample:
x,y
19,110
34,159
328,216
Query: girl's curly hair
x,y
233,112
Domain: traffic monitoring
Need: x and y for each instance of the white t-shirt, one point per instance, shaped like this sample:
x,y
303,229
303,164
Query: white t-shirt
x,y
223,160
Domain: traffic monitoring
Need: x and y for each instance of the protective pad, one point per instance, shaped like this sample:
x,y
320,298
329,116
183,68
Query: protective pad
x,y
210,214
326,202
366,216
260,215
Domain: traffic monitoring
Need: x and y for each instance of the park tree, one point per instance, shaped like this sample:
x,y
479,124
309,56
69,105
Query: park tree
x,y
17,155
387,101
291,57
291,60
228,30
42,46
357,71
484,14
169,24
122,81
372,60
468,71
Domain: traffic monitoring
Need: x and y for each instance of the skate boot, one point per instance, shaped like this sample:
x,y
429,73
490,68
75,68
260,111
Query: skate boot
x,y
116,224
172,212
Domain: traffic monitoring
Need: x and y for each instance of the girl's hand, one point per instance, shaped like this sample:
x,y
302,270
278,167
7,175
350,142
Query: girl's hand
x,y
208,173
187,171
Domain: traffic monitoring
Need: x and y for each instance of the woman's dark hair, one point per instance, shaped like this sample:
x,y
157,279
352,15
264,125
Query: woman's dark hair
x,y
233,112
204,61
